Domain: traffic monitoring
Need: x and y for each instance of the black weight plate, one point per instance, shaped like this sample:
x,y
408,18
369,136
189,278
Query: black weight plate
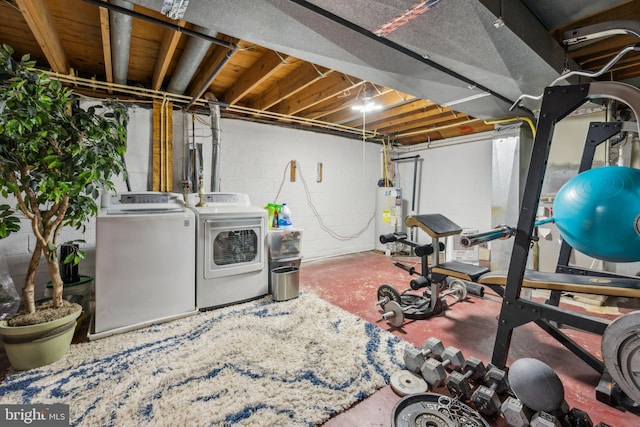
x,y
460,414
621,353
430,418
388,291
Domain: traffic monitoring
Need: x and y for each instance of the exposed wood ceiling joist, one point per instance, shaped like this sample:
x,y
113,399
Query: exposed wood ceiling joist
x,y
273,84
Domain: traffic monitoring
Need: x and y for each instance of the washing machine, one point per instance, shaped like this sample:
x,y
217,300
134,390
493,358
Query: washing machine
x,y
231,248
145,257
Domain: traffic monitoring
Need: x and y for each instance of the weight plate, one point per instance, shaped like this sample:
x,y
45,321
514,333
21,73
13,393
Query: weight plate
x,y
429,418
459,289
621,353
406,382
388,291
450,409
392,313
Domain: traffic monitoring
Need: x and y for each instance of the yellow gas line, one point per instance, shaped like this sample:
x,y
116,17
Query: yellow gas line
x,y
201,102
514,119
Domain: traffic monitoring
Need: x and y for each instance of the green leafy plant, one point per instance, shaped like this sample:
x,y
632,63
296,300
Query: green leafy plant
x,y
55,156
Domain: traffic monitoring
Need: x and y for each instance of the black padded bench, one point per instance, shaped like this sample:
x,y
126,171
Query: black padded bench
x,y
565,282
437,226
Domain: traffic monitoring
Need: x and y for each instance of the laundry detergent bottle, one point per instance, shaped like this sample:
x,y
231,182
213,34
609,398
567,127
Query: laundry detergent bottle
x,y
285,217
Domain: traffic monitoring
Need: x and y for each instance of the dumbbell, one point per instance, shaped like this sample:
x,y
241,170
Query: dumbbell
x,y
415,357
459,383
434,372
458,290
515,413
485,397
544,419
579,418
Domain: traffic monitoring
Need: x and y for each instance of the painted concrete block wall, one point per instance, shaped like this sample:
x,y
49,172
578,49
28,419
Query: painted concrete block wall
x,y
254,158
453,180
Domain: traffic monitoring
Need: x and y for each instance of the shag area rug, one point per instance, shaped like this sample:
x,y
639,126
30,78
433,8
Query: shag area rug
x,y
261,363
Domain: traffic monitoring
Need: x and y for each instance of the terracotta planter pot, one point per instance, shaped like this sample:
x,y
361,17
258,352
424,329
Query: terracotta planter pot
x,y
33,346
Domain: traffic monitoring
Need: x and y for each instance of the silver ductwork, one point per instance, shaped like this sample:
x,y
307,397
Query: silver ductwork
x,y
190,60
216,140
472,55
476,56
120,41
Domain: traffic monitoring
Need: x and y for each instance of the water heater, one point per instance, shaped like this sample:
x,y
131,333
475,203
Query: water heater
x,y
389,216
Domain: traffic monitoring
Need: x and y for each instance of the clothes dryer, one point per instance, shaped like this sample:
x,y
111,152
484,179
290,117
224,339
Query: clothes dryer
x,y
231,248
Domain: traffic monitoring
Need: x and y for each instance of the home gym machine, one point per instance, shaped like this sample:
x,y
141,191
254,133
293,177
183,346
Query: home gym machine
x,y
396,306
620,343
612,193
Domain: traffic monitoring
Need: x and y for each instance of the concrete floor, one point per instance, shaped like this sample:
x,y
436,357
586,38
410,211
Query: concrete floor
x,y
351,282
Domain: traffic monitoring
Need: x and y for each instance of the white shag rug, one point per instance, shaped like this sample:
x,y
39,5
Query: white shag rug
x,y
261,363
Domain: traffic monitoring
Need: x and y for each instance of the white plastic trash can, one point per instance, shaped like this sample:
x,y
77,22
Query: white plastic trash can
x,y
285,283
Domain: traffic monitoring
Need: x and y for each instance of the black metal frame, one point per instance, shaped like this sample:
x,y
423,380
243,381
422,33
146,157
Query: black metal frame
x,y
435,303
557,103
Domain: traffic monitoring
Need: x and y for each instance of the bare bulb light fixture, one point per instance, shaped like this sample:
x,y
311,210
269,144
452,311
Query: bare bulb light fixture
x,y
367,105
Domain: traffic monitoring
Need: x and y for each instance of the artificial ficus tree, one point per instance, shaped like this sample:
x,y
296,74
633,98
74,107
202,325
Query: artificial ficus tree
x,y
55,157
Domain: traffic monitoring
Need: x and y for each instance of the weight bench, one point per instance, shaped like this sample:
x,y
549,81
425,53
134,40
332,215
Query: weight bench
x,y
545,315
561,282
396,306
565,282
439,226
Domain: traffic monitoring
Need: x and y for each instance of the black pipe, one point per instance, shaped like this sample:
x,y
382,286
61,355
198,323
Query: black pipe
x,y
397,159
211,77
162,23
126,171
415,179
620,138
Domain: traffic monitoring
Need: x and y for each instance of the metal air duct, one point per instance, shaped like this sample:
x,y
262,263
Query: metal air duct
x,y
192,56
120,41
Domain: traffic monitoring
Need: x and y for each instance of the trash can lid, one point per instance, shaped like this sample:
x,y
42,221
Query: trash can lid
x,y
285,269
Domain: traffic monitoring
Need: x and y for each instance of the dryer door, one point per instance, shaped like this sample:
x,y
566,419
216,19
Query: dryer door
x,y
233,246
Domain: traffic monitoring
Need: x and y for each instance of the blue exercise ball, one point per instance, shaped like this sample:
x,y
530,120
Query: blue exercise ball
x,y
598,213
